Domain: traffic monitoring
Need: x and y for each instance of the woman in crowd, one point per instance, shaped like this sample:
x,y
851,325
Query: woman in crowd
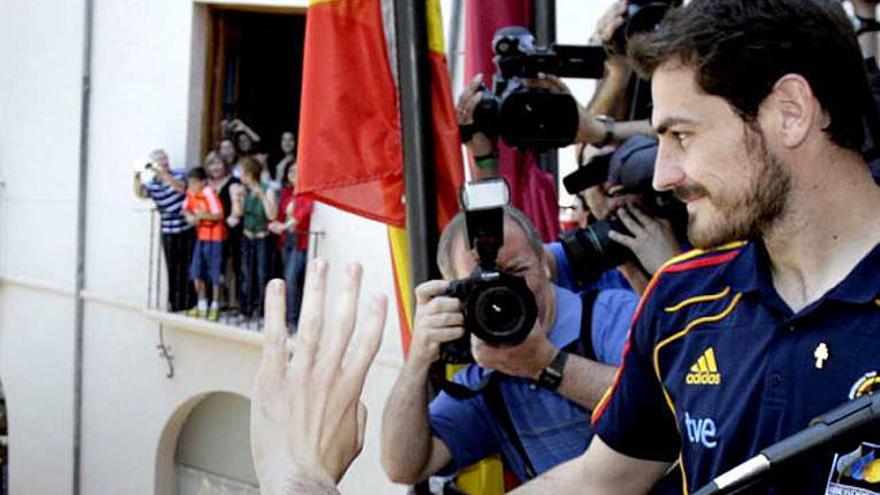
x,y
255,206
292,227
288,156
227,187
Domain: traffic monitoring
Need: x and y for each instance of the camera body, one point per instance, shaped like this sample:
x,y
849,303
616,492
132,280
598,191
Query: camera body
x,y
499,307
641,16
533,118
590,250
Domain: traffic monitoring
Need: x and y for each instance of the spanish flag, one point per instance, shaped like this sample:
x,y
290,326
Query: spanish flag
x,y
350,153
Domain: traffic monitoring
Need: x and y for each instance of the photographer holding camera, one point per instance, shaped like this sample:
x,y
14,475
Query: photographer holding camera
x,y
535,409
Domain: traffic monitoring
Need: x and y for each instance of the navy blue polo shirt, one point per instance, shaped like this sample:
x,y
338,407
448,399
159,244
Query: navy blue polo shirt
x,y
718,367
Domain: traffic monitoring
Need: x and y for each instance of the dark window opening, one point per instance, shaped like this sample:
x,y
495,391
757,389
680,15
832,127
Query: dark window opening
x,y
254,73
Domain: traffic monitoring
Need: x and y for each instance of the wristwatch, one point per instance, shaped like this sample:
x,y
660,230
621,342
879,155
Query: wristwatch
x,y
609,123
551,376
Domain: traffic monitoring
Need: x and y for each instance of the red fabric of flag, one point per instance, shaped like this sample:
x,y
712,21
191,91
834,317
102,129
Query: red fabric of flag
x,y
350,150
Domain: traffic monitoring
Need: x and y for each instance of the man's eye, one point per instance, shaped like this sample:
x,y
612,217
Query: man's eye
x,y
681,137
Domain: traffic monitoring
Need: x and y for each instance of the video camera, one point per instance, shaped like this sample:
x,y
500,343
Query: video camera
x,y
500,308
527,117
590,250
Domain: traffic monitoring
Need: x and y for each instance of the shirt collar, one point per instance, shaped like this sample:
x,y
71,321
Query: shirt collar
x,y
567,327
750,272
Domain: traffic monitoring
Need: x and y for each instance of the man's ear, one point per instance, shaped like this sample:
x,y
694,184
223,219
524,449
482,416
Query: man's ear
x,y
796,108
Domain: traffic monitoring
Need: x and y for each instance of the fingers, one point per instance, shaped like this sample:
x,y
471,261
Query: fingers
x,y
622,239
367,345
469,99
443,335
466,111
274,359
343,326
446,319
311,318
643,219
427,291
630,222
361,425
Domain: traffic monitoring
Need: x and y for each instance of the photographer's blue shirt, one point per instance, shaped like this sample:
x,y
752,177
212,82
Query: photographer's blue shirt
x,y
718,367
551,428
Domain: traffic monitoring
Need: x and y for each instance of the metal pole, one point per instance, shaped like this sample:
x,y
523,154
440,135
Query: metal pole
x,y
81,218
414,82
545,35
452,56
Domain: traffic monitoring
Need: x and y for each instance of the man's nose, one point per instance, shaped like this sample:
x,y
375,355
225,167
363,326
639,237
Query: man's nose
x,y
667,170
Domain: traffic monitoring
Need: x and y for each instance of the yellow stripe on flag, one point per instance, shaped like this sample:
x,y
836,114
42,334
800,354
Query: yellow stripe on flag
x,y
435,27
399,244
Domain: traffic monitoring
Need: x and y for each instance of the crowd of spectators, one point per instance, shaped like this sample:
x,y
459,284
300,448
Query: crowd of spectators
x,y
229,225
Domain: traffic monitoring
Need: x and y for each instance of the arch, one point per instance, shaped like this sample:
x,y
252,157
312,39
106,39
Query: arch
x,y
190,436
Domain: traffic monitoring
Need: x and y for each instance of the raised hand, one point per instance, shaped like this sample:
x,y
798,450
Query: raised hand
x,y
307,420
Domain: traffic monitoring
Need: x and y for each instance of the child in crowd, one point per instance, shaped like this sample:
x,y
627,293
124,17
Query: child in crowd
x,y
203,209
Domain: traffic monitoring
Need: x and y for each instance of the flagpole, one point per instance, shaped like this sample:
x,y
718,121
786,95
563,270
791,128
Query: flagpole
x,y
544,13
414,83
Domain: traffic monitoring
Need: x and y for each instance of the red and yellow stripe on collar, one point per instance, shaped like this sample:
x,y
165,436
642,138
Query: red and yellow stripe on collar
x,y
690,260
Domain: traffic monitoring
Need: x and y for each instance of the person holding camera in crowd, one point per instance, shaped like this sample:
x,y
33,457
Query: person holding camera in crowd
x,y
167,188
203,210
536,414
255,206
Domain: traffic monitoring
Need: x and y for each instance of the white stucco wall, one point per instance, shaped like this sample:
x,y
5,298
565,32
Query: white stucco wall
x,y
143,95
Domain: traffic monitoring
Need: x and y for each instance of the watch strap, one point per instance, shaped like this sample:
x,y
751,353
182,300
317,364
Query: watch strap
x,y
551,376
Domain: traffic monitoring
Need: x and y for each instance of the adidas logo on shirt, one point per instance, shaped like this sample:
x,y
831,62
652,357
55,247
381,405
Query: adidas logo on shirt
x,y
705,370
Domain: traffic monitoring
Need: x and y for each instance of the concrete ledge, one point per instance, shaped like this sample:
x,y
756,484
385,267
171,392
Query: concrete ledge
x,y
204,327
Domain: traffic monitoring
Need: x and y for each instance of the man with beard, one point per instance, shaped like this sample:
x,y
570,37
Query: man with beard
x,y
759,108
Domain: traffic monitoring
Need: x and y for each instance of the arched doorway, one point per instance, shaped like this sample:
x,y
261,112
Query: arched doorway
x,y
4,445
212,453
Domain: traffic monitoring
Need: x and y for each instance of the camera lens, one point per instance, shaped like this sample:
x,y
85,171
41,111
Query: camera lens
x,y
591,251
501,310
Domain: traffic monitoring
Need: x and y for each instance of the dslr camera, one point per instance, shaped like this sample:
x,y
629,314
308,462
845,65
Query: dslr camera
x,y
525,117
590,250
499,307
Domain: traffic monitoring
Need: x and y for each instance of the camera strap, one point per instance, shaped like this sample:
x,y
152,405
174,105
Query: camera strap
x,y
495,402
456,390
585,343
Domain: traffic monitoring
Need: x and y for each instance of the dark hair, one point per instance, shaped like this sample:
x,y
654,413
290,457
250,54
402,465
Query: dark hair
x,y
283,177
197,173
741,48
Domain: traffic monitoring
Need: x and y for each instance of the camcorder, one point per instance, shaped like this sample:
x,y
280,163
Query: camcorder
x,y
531,118
537,119
590,250
499,307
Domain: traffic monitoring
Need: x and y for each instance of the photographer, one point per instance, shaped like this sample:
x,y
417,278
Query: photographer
x,y
641,222
549,418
